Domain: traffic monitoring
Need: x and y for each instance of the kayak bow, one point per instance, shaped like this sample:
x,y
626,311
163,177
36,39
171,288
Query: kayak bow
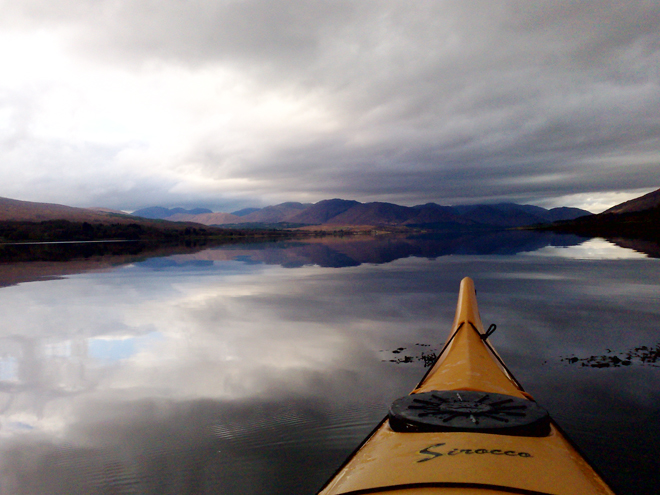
x,y
467,428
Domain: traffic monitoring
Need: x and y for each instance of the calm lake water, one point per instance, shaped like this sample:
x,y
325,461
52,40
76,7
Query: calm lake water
x,y
256,369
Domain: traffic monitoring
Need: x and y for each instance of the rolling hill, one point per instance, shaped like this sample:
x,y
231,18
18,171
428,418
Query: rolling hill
x,y
26,221
28,211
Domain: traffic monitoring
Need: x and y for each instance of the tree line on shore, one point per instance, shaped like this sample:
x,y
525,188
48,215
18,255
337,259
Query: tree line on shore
x,y
65,230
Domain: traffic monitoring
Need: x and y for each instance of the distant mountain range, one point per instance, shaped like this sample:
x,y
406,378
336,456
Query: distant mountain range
x,y
638,218
341,212
158,212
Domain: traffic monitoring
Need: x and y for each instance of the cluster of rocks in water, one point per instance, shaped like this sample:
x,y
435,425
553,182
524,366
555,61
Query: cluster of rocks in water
x,y
639,355
427,357
643,355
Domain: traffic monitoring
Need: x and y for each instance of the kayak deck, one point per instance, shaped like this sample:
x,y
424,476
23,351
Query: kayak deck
x,y
466,429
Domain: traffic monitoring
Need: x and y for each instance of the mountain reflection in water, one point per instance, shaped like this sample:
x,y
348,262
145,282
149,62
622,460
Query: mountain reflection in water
x,y
32,262
255,369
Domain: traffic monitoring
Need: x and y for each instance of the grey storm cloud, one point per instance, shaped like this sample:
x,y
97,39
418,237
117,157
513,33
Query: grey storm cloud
x,y
441,101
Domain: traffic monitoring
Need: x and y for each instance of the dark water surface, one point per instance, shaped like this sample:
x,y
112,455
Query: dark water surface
x,y
255,369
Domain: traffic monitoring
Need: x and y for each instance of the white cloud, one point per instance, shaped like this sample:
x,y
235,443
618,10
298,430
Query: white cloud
x,y
218,100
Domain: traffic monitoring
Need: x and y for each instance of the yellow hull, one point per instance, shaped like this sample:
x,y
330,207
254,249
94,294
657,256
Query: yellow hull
x,y
467,428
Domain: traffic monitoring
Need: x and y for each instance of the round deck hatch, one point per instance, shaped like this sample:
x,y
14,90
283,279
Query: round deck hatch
x,y
466,410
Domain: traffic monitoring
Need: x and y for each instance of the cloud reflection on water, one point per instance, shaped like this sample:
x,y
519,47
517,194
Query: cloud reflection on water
x,y
592,249
197,373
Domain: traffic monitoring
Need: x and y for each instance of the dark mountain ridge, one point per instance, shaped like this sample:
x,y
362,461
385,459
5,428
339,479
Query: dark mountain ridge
x,y
635,219
342,212
646,202
244,211
324,211
346,212
276,213
367,213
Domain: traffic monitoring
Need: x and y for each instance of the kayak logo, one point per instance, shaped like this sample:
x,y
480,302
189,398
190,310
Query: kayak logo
x,y
434,453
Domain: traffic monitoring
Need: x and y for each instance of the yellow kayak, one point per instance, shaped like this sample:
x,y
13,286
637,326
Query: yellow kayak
x,y
467,428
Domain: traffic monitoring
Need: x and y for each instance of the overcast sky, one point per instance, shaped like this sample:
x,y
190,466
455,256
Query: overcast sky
x,y
228,104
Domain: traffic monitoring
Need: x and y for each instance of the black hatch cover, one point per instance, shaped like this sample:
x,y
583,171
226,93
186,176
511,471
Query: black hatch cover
x,y
466,410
